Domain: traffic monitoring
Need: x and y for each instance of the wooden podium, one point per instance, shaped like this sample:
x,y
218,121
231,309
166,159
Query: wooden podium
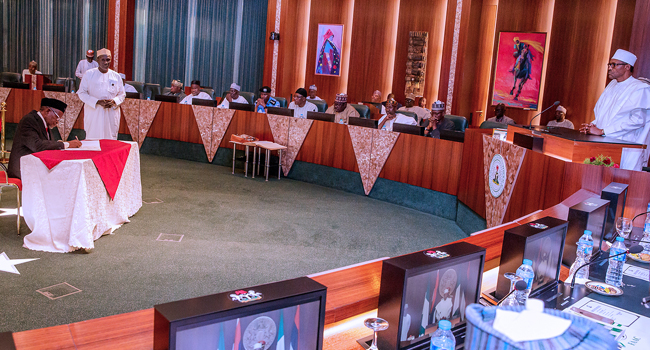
x,y
36,81
572,145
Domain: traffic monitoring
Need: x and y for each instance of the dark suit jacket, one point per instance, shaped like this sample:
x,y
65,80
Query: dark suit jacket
x,y
30,137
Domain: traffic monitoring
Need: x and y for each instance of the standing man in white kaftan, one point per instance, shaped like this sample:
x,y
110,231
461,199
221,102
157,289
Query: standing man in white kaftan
x,y
102,92
623,110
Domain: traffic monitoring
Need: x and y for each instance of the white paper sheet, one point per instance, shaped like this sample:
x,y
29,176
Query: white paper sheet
x,y
636,272
87,145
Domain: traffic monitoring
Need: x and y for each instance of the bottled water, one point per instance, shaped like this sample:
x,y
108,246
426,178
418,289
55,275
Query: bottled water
x,y
615,269
583,255
646,234
443,338
341,121
525,271
518,297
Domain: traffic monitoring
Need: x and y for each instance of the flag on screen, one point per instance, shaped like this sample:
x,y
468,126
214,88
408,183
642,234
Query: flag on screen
x,y
222,341
425,310
280,343
433,297
235,344
295,338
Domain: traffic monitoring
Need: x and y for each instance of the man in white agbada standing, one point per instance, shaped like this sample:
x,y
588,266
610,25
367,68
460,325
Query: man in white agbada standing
x,y
623,110
102,92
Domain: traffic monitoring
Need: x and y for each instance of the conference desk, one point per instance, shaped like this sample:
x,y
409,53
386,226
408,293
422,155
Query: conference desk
x,y
70,204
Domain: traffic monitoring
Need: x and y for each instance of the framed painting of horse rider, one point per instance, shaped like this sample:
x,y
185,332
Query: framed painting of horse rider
x,y
328,49
518,72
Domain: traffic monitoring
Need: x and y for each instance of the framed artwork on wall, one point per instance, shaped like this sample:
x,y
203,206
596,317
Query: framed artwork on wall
x,y
518,70
328,49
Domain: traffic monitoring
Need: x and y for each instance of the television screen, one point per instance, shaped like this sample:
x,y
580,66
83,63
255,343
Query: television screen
x,y
438,295
546,253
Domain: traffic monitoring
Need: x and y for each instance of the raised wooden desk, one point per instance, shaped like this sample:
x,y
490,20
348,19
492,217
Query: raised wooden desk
x,y
572,145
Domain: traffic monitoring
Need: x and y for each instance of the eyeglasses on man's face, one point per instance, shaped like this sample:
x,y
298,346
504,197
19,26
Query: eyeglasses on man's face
x,y
613,65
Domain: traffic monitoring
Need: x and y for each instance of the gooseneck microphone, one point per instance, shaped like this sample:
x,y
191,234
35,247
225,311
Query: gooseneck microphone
x,y
635,249
520,285
530,124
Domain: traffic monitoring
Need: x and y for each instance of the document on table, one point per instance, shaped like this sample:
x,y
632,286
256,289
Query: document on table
x,y
636,272
87,145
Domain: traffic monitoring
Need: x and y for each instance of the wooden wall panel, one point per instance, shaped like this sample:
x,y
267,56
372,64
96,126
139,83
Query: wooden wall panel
x,y
292,54
329,144
622,30
578,52
250,123
639,39
20,102
175,122
329,12
471,189
374,31
427,16
124,62
268,48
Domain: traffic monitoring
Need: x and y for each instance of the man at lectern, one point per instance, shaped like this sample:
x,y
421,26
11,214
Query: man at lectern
x,y
623,110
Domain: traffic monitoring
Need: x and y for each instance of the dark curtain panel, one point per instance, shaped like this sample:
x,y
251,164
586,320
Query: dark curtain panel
x,y
253,38
19,34
67,37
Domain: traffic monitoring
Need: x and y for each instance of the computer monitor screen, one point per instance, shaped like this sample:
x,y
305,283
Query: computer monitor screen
x,y
53,87
279,111
14,85
546,254
135,95
366,123
326,117
202,102
166,98
241,106
408,129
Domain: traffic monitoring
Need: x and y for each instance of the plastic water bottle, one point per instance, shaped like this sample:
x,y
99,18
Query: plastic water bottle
x,y
525,271
518,297
583,255
615,269
341,121
72,91
148,98
443,338
646,234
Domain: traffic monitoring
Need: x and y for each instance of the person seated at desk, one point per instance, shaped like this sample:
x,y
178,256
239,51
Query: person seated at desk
x,y
33,133
176,90
423,103
419,111
312,93
386,122
300,105
391,96
195,88
437,121
32,69
127,87
232,96
265,100
376,98
560,119
499,115
342,110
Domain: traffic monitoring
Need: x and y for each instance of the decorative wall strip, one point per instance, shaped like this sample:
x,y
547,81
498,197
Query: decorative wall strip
x,y
454,56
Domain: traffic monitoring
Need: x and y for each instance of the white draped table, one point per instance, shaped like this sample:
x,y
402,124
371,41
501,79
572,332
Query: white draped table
x,y
68,207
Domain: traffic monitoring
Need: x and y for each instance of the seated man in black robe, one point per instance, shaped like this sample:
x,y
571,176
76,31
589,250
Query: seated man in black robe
x,y
437,121
33,133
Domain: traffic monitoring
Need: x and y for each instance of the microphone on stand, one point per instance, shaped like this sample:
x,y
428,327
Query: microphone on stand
x,y
520,285
635,249
530,124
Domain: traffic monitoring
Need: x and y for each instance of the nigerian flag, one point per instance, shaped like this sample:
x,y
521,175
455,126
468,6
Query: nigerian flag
x,y
222,341
280,344
425,310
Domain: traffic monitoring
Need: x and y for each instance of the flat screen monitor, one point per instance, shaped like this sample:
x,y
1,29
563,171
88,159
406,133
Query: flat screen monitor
x,y
135,95
166,98
54,87
291,312
279,111
202,102
419,289
241,106
366,123
452,135
326,117
13,85
408,129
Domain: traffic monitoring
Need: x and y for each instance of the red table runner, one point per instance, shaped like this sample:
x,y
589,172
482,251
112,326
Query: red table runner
x,y
109,161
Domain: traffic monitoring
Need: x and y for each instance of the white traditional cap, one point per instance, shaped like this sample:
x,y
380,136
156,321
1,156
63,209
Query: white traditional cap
x,y
561,109
235,86
122,76
103,52
438,106
625,56
313,87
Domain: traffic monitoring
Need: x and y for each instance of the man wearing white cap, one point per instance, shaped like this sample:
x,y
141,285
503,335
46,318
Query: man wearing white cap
x,y
342,110
127,87
232,96
623,110
419,111
437,121
102,91
376,98
84,65
560,120
312,93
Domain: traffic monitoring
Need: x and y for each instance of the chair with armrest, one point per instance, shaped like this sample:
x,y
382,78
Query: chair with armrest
x,y
139,87
6,181
10,77
410,114
493,125
166,90
209,91
282,100
249,96
460,123
150,90
69,83
363,110
321,105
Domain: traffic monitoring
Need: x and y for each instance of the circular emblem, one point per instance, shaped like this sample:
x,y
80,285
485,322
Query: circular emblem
x,y
497,175
260,332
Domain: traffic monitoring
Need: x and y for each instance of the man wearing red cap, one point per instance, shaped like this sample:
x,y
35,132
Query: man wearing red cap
x,y
84,65
33,133
623,110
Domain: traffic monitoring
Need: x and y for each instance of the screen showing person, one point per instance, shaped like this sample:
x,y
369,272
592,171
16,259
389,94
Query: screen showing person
x,y
293,327
438,295
546,253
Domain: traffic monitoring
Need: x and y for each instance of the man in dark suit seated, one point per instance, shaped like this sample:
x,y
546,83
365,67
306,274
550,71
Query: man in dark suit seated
x,y
33,133
437,121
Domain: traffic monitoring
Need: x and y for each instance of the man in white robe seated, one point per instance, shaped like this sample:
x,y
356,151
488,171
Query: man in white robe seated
x,y
386,122
300,105
560,120
623,110
127,87
195,88
102,91
32,69
232,96
312,93
419,111
84,65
